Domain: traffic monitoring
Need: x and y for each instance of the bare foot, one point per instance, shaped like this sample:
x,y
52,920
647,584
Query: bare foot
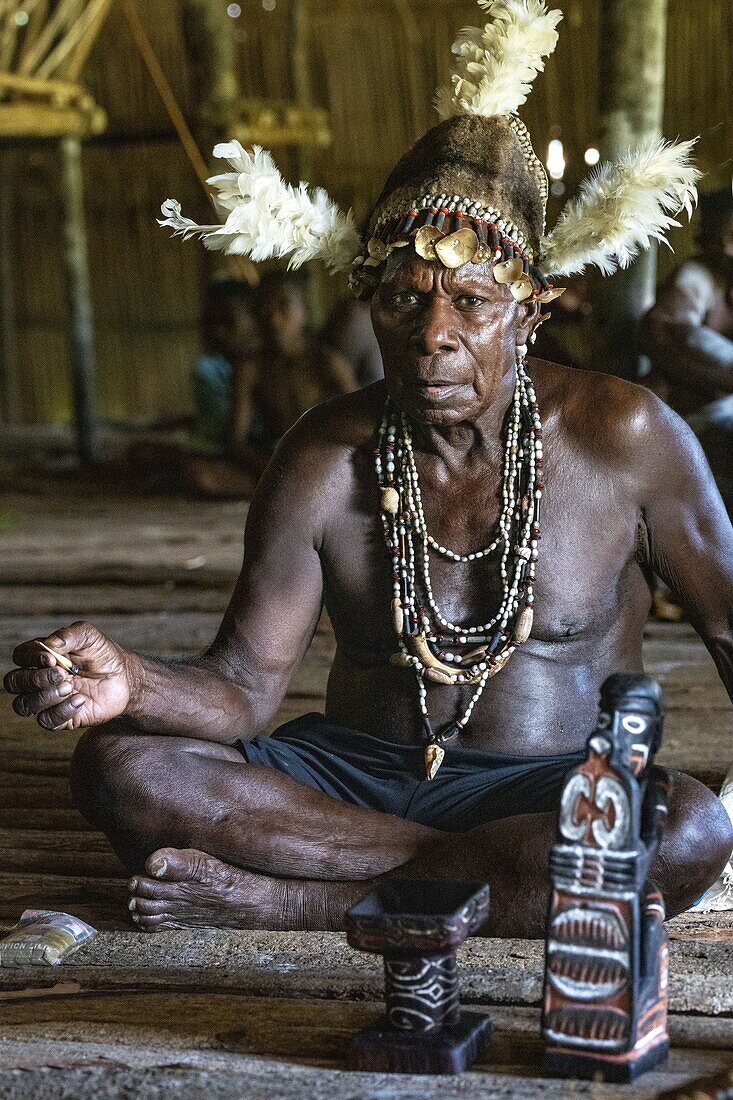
x,y
190,889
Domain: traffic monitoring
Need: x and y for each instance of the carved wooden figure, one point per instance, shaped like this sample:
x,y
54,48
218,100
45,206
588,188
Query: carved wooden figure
x,y
605,968
605,999
417,927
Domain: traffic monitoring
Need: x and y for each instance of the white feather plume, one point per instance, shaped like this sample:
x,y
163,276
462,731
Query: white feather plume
x,y
621,208
267,218
495,66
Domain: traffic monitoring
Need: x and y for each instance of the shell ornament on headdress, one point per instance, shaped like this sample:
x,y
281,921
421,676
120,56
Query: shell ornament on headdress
x,y
471,191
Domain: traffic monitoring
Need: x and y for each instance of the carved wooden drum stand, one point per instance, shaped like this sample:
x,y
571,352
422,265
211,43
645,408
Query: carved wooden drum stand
x,y
605,1002
417,927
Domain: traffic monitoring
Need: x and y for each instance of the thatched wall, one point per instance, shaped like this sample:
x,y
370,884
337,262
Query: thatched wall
x,y
375,64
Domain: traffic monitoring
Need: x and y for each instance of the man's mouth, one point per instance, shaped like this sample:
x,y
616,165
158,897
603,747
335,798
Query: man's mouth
x,y
433,388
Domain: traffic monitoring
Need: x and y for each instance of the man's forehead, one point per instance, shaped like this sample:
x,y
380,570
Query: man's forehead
x,y
405,269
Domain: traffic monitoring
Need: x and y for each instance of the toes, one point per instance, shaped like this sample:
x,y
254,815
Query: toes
x,y
153,888
182,865
173,864
148,907
160,922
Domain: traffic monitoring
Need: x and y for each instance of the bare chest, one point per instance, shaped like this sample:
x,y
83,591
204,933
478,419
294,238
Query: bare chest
x,y
587,549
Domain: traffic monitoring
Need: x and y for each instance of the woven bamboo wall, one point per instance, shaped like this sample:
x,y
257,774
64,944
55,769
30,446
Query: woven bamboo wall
x,y
375,64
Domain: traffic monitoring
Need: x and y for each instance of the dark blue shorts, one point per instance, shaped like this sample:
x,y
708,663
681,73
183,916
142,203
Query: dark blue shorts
x,y
471,788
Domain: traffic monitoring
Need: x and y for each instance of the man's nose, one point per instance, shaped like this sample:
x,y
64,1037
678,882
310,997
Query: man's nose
x,y
435,331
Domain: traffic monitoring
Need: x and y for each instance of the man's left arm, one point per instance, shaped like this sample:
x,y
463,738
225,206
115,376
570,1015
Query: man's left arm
x,y
691,537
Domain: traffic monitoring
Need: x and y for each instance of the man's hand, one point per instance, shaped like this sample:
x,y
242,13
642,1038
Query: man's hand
x,y
61,700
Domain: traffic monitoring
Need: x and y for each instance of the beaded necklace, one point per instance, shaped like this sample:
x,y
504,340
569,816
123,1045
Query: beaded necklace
x,y
429,642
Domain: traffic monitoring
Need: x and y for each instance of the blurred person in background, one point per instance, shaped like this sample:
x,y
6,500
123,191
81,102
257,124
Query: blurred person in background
x,y
688,334
232,446
349,331
259,371
569,340
298,370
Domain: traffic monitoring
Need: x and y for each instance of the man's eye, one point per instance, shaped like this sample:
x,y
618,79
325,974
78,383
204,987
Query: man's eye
x,y
471,301
404,300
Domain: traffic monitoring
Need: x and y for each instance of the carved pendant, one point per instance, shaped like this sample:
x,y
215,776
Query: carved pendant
x,y
439,677
398,615
418,646
523,629
390,500
433,759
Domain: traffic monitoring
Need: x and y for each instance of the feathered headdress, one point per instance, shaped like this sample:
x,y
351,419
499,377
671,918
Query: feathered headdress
x,y
621,208
471,191
267,218
496,65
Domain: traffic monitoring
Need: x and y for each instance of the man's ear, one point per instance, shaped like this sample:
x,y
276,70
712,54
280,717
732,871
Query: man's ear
x,y
528,319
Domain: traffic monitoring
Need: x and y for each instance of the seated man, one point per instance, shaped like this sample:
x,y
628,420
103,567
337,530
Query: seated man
x,y
203,459
688,334
473,633
225,378
231,339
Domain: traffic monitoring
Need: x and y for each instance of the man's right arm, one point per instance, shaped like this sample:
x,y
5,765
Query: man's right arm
x,y
233,689
685,349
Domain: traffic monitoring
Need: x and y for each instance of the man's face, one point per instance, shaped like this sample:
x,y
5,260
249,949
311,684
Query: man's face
x,y
283,314
447,337
230,329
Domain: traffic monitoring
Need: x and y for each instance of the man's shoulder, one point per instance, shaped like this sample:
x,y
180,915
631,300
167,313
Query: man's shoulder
x,y
325,439
346,421
607,417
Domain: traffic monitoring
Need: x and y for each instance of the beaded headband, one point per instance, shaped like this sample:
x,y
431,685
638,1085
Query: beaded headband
x,y
454,231
621,208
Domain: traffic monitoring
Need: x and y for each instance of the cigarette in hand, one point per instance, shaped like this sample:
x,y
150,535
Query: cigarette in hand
x,y
61,660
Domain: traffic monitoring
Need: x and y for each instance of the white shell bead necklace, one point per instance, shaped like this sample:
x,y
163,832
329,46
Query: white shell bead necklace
x,y
423,631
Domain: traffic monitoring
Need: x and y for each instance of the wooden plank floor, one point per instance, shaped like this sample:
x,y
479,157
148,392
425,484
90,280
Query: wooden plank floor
x,y
220,1014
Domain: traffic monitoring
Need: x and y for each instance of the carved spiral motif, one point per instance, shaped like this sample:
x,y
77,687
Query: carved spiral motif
x,y
422,993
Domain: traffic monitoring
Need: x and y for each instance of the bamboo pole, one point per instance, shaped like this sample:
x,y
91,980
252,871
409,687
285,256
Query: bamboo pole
x,y
80,307
633,54
301,93
211,53
71,53
8,319
160,80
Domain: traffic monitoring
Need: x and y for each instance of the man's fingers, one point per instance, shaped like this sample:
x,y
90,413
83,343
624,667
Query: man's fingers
x,y
23,680
57,717
70,639
37,701
30,655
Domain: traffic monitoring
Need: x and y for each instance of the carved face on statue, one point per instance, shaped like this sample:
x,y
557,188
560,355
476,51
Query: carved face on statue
x,y
595,808
630,720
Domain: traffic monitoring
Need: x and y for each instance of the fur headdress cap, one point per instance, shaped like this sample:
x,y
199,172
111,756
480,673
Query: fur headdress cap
x,y
477,158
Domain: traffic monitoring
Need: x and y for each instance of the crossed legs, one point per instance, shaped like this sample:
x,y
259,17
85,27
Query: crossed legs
x,y
213,841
